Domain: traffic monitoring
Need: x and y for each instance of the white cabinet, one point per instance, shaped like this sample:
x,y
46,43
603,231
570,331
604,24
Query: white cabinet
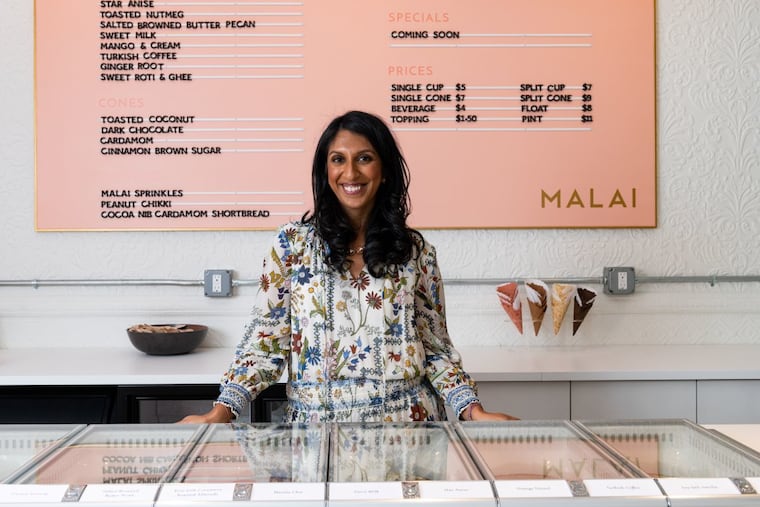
x,y
527,400
637,399
728,401
594,400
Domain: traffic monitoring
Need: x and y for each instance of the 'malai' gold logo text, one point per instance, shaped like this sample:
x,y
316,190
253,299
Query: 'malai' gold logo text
x,y
589,199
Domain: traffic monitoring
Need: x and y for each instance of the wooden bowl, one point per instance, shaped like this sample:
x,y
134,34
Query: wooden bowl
x,y
166,339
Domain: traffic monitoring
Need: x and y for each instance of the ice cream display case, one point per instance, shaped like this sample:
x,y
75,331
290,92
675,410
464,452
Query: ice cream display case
x,y
694,466
553,463
23,445
105,465
403,464
265,464
670,463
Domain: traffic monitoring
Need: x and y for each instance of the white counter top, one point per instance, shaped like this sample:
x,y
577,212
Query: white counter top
x,y
127,366
110,366
656,362
747,434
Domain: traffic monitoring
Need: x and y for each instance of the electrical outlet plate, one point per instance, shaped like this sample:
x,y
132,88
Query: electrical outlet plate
x,y
619,280
217,282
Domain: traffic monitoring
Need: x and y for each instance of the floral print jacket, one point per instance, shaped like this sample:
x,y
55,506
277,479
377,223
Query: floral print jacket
x,y
355,349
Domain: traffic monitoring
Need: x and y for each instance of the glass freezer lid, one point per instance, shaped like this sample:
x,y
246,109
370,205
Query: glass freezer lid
x,y
266,464
532,461
387,462
258,453
22,445
687,460
381,452
675,448
552,450
116,454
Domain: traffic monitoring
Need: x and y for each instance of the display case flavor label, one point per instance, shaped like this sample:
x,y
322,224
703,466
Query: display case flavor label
x,y
710,486
106,493
32,493
188,492
622,487
533,489
292,491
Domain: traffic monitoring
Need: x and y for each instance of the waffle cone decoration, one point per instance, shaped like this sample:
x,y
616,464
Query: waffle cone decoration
x,y
537,292
507,293
584,300
562,294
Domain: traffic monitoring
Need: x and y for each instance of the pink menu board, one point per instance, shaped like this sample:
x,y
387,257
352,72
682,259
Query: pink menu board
x,y
193,115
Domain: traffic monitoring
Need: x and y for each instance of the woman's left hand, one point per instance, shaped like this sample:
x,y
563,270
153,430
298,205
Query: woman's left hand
x,y
477,413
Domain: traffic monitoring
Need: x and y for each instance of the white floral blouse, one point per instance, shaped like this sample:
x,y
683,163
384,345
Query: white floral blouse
x,y
356,349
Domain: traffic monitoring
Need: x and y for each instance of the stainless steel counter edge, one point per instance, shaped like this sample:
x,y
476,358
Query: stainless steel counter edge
x,y
122,366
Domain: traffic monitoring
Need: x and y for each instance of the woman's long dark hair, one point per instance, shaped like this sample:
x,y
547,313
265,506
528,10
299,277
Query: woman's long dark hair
x,y
389,242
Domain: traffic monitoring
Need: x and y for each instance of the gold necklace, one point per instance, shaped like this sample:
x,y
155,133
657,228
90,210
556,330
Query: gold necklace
x,y
352,252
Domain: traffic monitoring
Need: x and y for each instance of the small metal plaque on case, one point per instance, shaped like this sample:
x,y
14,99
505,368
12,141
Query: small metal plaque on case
x,y
242,492
578,488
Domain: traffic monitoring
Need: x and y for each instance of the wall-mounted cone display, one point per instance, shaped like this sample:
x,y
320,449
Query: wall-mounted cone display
x,y
507,293
536,294
584,300
562,294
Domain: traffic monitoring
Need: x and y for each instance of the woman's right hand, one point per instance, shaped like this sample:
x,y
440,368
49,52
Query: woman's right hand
x,y
219,414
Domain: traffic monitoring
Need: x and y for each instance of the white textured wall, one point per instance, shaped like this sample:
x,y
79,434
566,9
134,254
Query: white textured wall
x,y
709,221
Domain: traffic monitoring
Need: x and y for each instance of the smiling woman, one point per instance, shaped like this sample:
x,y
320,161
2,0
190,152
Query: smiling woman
x,y
351,300
370,212
354,172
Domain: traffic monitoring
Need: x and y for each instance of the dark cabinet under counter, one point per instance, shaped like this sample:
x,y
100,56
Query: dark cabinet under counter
x,y
56,404
122,404
162,403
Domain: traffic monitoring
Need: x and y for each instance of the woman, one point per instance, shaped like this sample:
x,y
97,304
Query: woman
x,y
351,301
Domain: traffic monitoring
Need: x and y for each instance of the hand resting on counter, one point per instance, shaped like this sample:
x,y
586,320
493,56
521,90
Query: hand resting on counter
x,y
219,414
476,412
